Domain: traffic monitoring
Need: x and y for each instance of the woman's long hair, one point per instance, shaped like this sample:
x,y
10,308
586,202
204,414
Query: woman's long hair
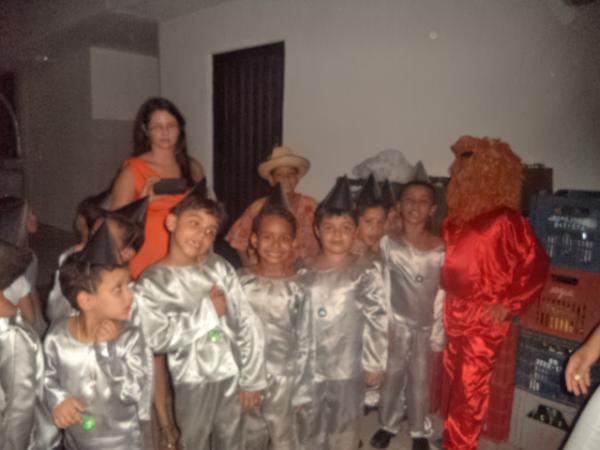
x,y
141,141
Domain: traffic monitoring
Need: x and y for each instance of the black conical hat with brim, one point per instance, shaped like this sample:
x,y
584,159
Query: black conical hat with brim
x,y
370,194
101,249
388,196
277,198
136,211
13,221
340,196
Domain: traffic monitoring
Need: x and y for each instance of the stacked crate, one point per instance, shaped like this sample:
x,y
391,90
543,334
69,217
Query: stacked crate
x,y
554,326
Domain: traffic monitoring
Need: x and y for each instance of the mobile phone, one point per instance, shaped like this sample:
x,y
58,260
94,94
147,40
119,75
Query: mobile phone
x,y
170,186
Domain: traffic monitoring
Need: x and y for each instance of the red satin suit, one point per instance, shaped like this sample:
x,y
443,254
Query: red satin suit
x,y
494,258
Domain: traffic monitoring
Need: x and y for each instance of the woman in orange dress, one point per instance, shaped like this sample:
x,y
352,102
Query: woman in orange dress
x,y
160,152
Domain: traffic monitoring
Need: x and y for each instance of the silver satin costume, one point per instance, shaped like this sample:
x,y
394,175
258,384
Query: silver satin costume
x,y
57,305
210,358
416,326
25,421
284,310
114,380
350,324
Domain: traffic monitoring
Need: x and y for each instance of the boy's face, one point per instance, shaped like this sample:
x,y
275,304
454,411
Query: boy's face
x,y
336,234
274,241
288,177
113,299
370,226
416,205
193,232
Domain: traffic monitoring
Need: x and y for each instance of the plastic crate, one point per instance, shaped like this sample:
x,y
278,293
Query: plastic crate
x,y
541,363
569,228
528,432
568,307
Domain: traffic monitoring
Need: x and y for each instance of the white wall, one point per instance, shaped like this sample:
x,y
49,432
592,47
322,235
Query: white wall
x,y
363,76
121,82
77,114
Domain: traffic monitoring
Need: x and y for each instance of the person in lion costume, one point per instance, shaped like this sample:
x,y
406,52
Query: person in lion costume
x,y
494,268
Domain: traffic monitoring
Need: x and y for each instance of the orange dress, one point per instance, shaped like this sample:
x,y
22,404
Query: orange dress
x,y
156,245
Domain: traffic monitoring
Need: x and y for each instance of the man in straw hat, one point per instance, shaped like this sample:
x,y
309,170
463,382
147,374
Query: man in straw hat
x,y
286,168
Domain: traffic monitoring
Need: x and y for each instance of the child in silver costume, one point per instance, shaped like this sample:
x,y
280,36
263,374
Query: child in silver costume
x,y
414,258
192,307
25,422
349,322
98,377
281,302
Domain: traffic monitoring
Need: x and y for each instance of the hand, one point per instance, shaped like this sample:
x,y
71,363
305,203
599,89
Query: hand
x,y
7,309
373,378
498,313
168,437
68,413
148,188
578,373
108,331
219,301
250,399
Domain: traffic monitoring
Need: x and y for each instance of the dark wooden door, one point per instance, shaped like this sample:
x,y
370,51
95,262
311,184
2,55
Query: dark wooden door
x,y
248,121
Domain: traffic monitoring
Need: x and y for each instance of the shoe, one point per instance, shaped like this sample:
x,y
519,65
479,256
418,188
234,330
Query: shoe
x,y
381,439
420,444
369,409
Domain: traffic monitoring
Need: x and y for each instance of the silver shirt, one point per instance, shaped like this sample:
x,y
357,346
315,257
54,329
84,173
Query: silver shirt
x,y
178,318
25,422
349,320
414,280
112,379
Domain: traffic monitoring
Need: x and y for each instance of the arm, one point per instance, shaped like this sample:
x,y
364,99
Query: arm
x,y
197,170
528,265
374,356
166,331
248,335
438,332
123,191
578,373
303,375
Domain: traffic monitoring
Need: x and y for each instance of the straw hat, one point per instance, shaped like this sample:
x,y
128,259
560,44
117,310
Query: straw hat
x,y
283,157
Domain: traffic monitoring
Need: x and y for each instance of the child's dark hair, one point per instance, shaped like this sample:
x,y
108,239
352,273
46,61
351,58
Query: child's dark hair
x,y
419,183
13,263
274,210
90,208
324,211
362,208
211,206
133,232
77,276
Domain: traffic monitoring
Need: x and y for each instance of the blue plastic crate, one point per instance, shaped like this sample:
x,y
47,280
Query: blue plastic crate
x,y
569,228
541,363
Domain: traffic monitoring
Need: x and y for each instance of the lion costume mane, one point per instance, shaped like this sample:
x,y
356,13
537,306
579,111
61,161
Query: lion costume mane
x,y
493,263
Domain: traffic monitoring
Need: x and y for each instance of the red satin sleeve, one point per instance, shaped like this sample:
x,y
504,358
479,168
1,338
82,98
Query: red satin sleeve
x,y
494,258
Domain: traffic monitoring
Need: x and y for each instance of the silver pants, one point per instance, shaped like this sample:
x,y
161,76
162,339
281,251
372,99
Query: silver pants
x,y
408,371
271,427
331,422
209,415
586,435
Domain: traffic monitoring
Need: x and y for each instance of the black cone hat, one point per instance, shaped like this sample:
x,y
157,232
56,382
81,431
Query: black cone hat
x,y
13,221
101,249
339,196
277,198
420,173
387,195
136,211
370,194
